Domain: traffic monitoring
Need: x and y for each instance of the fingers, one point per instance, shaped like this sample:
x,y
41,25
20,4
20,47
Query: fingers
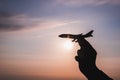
x,y
77,58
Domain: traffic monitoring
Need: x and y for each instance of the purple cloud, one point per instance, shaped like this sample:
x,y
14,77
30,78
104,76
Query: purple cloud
x,y
88,2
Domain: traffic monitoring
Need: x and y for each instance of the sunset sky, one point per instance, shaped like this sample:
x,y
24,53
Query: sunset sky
x,y
30,46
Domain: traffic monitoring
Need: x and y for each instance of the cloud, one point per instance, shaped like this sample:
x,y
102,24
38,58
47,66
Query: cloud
x,y
11,22
14,22
87,2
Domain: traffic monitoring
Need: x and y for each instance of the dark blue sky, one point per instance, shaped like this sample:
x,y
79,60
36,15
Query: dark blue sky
x,y
61,10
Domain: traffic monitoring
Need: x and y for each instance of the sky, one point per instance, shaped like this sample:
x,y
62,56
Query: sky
x,y
31,49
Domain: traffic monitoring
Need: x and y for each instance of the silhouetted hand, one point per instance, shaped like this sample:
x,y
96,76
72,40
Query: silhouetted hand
x,y
86,58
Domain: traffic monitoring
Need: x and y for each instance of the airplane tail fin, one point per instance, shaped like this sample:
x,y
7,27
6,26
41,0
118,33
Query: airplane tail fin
x,y
89,34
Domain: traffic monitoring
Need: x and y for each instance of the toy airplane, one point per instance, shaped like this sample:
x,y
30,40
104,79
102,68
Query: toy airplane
x,y
76,37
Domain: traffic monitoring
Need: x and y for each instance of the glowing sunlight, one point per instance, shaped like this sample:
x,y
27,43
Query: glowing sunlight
x,y
68,45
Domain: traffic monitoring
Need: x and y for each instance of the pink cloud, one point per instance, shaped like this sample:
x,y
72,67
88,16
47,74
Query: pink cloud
x,y
15,22
87,2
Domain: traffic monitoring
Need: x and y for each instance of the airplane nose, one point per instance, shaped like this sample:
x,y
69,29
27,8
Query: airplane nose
x,y
60,35
63,35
